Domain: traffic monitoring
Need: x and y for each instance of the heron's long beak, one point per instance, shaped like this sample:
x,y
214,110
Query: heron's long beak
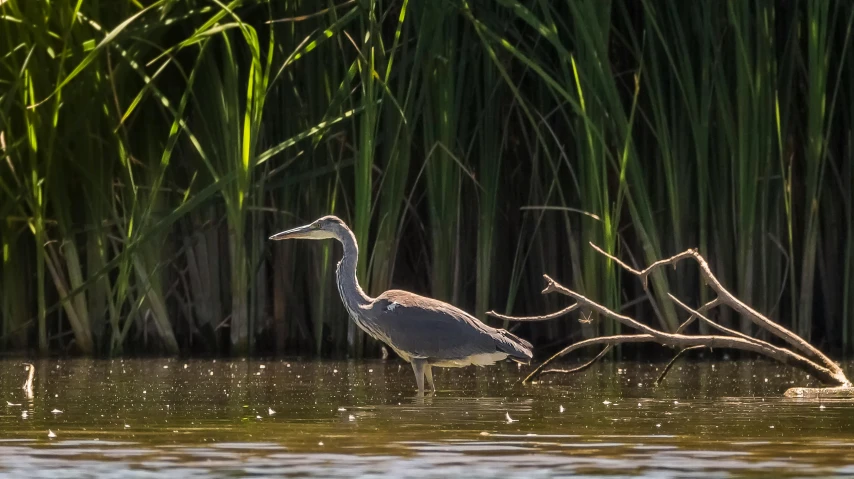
x,y
301,232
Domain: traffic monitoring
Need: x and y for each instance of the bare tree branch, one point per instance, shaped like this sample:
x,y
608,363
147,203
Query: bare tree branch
x,y
802,355
730,300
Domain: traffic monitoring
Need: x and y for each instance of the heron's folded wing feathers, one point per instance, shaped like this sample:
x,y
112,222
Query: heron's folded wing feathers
x,y
425,327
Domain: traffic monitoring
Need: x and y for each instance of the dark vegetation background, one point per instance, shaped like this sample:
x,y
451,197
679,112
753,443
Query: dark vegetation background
x,y
148,149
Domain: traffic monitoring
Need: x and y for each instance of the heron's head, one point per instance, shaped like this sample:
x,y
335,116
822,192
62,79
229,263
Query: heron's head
x,y
328,227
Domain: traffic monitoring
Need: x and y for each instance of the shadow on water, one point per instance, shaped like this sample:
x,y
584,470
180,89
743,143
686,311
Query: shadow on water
x,y
151,418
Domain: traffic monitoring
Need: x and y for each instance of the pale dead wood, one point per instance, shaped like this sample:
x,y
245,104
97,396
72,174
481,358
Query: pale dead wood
x,y
544,317
802,355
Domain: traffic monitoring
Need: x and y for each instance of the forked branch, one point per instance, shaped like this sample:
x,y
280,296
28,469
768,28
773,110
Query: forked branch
x,y
799,354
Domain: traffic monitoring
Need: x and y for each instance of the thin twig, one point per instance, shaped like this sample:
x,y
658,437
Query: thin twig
x,y
583,366
695,313
673,361
545,317
606,340
711,304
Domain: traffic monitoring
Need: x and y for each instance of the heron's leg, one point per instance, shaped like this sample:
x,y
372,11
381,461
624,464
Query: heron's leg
x,y
428,372
418,368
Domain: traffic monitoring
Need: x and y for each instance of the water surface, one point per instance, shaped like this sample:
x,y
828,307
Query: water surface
x,y
280,418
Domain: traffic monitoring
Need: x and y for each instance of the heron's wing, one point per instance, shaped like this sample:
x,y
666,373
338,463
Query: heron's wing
x,y
424,327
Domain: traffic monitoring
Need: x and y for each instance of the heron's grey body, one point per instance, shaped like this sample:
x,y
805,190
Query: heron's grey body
x,y
423,331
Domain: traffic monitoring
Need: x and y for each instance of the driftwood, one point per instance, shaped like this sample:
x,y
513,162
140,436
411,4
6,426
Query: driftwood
x,y
797,352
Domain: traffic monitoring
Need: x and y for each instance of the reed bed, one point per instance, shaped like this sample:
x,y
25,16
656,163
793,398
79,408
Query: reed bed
x,y
149,148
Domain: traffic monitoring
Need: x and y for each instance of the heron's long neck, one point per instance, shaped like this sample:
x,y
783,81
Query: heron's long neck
x,y
348,285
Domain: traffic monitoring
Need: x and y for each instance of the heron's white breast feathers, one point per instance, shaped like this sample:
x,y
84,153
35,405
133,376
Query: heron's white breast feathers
x,y
480,359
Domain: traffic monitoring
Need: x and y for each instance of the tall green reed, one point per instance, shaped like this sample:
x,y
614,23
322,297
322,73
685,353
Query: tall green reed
x,y
471,147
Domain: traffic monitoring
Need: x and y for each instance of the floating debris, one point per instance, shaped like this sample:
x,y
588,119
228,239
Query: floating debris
x,y
351,417
165,366
320,443
56,411
341,409
24,414
510,420
606,402
658,425
561,409
51,434
262,367
822,407
127,426
270,411
10,404
484,433
257,417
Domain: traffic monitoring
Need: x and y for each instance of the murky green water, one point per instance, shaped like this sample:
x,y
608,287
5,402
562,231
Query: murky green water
x,y
154,418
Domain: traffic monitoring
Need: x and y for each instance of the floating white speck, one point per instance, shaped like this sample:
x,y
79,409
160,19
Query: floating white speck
x,y
270,411
144,392
510,419
370,370
341,409
606,402
334,371
320,443
675,402
771,427
165,366
288,365
24,414
56,411
262,367
10,404
561,409
51,434
658,425
257,417
484,433
127,426
821,407
185,366
351,417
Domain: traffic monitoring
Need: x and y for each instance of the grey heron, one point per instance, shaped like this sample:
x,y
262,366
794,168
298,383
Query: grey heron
x,y
423,331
